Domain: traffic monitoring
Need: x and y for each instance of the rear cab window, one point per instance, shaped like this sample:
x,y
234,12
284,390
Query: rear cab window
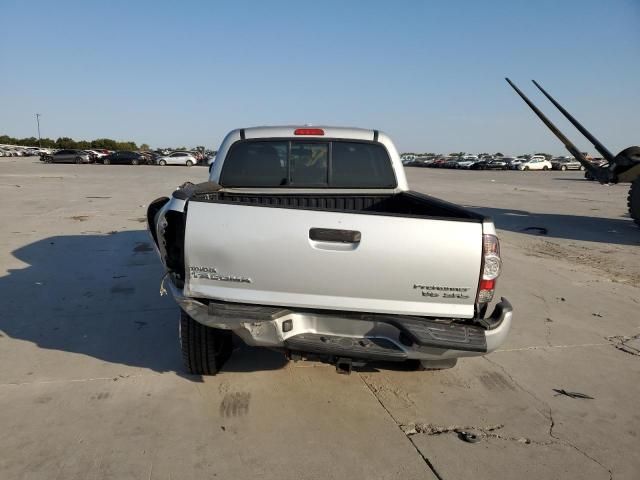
x,y
308,164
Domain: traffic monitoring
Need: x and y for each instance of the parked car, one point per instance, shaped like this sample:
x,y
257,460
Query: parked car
x,y
346,276
124,158
598,162
515,163
151,157
467,164
565,163
535,164
177,158
498,164
98,153
67,156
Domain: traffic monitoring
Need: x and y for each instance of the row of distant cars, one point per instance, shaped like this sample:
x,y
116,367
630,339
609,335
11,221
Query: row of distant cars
x,y
536,162
108,157
122,157
22,151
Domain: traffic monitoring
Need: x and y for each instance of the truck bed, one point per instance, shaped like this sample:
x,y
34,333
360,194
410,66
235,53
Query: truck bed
x,y
406,204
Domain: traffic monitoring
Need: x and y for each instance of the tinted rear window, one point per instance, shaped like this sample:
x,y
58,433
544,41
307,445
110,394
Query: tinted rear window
x,y
307,164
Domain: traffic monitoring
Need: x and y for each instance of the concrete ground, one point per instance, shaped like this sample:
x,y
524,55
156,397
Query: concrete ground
x,y
92,386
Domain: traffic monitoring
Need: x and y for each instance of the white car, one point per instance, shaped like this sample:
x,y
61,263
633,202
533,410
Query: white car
x,y
97,153
177,158
535,164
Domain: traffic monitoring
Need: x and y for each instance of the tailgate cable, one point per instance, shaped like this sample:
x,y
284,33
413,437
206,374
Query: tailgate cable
x,y
163,291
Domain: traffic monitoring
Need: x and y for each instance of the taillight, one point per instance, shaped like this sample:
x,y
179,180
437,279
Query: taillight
x,y
308,131
491,265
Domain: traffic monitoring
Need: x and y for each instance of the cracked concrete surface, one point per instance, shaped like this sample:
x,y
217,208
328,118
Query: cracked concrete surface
x,y
91,384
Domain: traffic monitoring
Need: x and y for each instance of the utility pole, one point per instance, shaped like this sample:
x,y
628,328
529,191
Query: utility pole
x,y
39,140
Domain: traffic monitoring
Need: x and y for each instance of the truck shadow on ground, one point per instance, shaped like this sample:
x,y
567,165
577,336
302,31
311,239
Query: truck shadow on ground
x,y
98,295
620,231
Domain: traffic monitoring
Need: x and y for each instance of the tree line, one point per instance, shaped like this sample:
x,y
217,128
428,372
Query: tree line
x,y
66,142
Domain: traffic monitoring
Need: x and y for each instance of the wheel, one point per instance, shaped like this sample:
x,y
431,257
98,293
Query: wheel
x,y
526,168
134,161
545,168
189,163
633,201
78,160
563,168
106,161
204,349
162,163
581,167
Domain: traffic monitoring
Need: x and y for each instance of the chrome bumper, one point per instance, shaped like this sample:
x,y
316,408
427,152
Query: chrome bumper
x,y
283,328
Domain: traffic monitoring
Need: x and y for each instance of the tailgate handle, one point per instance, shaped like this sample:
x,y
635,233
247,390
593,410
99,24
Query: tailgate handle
x,y
333,235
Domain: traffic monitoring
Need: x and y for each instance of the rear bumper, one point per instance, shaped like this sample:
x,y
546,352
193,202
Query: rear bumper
x,y
355,335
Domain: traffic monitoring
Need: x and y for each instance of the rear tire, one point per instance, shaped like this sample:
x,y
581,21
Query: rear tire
x,y
106,161
189,163
545,168
162,163
78,160
633,201
526,169
581,167
563,168
204,349
134,161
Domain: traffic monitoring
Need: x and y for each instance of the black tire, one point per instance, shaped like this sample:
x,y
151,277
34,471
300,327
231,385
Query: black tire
x,y
134,161
563,168
545,168
106,161
78,160
189,163
162,163
633,201
581,168
204,349
526,168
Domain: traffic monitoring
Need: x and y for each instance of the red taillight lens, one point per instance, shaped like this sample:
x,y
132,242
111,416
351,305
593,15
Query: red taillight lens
x,y
308,131
491,266
487,284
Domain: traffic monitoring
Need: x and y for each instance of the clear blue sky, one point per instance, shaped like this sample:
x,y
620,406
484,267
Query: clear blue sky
x,y
428,73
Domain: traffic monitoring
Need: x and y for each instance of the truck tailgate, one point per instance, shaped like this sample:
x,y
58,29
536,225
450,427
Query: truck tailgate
x,y
332,260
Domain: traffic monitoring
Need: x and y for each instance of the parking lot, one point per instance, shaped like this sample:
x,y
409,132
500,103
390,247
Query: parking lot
x,y
92,386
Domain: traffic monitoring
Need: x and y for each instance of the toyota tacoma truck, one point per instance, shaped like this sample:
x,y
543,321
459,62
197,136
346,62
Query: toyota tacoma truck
x,y
308,240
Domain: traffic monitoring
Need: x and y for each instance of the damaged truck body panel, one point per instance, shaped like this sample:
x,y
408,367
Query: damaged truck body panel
x,y
309,240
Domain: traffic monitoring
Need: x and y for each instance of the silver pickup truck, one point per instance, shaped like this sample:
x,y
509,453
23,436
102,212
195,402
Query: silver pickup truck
x,y
308,240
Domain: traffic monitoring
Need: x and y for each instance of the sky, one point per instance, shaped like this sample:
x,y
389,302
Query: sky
x,y
428,73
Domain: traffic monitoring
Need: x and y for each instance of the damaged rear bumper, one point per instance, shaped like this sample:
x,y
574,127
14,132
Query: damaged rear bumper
x,y
353,335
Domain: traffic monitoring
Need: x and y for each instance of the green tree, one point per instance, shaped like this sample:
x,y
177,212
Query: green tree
x,y
145,147
65,142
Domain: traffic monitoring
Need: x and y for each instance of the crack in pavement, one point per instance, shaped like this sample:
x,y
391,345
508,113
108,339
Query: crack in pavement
x,y
545,347
549,415
424,458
